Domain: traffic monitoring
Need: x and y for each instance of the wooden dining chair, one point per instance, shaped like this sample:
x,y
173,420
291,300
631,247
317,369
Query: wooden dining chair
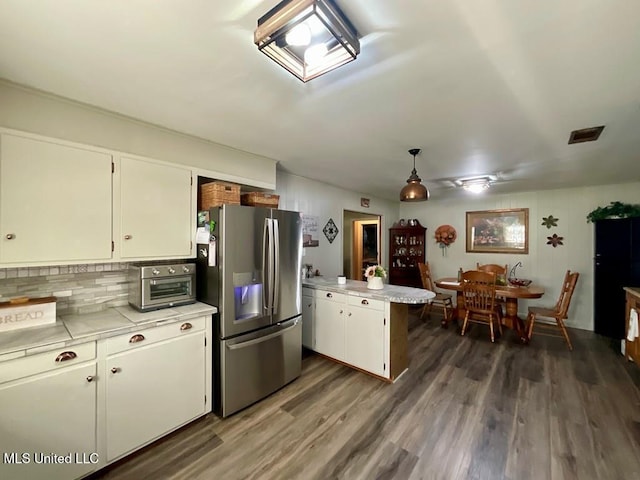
x,y
557,313
479,294
492,267
501,274
442,300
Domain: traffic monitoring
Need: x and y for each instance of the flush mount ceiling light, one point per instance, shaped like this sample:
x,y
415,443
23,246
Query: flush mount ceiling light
x,y
476,184
414,191
307,37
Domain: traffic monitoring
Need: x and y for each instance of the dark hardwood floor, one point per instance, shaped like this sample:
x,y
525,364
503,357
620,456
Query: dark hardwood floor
x,y
465,409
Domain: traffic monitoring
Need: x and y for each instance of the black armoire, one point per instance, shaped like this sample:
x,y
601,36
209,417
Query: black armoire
x,y
616,265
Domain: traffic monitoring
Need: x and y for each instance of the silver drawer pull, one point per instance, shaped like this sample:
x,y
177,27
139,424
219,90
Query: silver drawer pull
x,y
136,338
329,295
115,370
90,378
365,302
186,326
128,237
64,356
10,236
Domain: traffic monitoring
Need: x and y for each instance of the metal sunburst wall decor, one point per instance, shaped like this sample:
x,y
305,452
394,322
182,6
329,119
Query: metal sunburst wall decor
x,y
550,221
555,240
330,230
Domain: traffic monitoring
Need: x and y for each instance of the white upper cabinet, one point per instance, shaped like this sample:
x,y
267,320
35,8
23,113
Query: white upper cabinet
x,y
155,210
55,202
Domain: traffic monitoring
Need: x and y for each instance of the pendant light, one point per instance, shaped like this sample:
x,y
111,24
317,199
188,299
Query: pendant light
x,y
414,191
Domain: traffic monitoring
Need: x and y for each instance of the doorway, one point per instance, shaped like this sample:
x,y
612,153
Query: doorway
x,y
362,243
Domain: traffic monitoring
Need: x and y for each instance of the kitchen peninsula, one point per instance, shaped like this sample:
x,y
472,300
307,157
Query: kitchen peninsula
x,y
363,328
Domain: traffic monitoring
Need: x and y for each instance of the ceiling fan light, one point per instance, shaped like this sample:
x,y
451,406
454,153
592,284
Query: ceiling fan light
x,y
476,184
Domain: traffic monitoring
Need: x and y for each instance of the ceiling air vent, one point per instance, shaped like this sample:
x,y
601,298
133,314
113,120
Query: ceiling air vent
x,y
585,135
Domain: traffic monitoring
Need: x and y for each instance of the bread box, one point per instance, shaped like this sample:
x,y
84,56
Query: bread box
x,y
26,312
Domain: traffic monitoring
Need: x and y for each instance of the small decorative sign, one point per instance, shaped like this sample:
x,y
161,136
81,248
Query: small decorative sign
x,y
364,202
24,312
330,230
309,231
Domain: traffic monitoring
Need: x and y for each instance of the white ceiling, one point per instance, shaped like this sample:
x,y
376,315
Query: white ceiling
x,y
483,86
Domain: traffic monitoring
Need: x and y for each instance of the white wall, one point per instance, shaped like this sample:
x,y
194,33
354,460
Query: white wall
x,y
325,201
32,111
544,264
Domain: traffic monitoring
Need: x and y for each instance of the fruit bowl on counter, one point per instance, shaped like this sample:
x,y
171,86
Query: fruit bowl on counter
x,y
519,282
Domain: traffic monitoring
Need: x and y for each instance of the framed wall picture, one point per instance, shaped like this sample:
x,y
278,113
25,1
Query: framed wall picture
x,y
498,231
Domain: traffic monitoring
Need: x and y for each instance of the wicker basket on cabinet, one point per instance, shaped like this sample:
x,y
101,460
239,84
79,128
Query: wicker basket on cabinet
x,y
215,194
260,199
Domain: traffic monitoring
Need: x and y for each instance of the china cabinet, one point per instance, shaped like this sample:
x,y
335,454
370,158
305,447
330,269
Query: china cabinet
x,y
406,249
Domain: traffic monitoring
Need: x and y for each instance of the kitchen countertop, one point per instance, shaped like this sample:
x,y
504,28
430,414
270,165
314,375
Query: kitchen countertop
x,y
390,293
74,329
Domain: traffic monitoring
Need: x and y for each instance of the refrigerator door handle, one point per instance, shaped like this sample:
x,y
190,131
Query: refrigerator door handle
x,y
270,268
276,263
254,341
265,272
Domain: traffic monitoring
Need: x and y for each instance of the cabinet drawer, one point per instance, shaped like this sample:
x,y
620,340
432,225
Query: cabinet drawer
x,y
46,361
332,296
141,338
366,302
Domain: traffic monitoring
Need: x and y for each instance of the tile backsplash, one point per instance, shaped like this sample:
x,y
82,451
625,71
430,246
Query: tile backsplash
x,y
80,289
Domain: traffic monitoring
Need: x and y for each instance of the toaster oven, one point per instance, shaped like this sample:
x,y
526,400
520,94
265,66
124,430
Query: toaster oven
x,y
161,286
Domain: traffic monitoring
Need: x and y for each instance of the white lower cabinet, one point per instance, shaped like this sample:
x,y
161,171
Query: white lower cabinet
x,y
329,324
365,335
49,417
155,383
354,330
308,319
68,412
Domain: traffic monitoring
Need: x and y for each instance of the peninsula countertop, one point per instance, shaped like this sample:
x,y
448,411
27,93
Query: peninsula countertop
x,y
74,329
390,293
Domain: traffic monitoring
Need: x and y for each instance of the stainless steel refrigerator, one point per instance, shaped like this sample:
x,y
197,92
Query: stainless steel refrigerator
x,y
250,270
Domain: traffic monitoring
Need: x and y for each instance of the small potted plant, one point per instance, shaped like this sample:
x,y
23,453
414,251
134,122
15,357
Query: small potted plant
x,y
374,275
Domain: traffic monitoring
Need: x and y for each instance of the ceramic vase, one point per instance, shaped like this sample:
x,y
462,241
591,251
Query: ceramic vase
x,y
375,283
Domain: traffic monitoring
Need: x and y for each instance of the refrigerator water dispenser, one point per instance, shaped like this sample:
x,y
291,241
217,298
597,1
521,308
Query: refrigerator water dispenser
x,y
248,301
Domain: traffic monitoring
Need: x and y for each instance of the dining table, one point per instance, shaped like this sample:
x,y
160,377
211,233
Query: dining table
x,y
510,293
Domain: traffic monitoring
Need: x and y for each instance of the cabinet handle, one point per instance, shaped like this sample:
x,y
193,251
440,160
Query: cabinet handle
x,y
90,378
186,326
341,312
365,302
136,338
114,370
329,295
11,236
309,305
128,237
64,356
349,313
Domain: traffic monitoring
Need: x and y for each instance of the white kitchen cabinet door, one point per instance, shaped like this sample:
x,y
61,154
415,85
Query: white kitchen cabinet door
x,y
329,327
55,202
365,339
308,321
52,413
155,210
152,390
